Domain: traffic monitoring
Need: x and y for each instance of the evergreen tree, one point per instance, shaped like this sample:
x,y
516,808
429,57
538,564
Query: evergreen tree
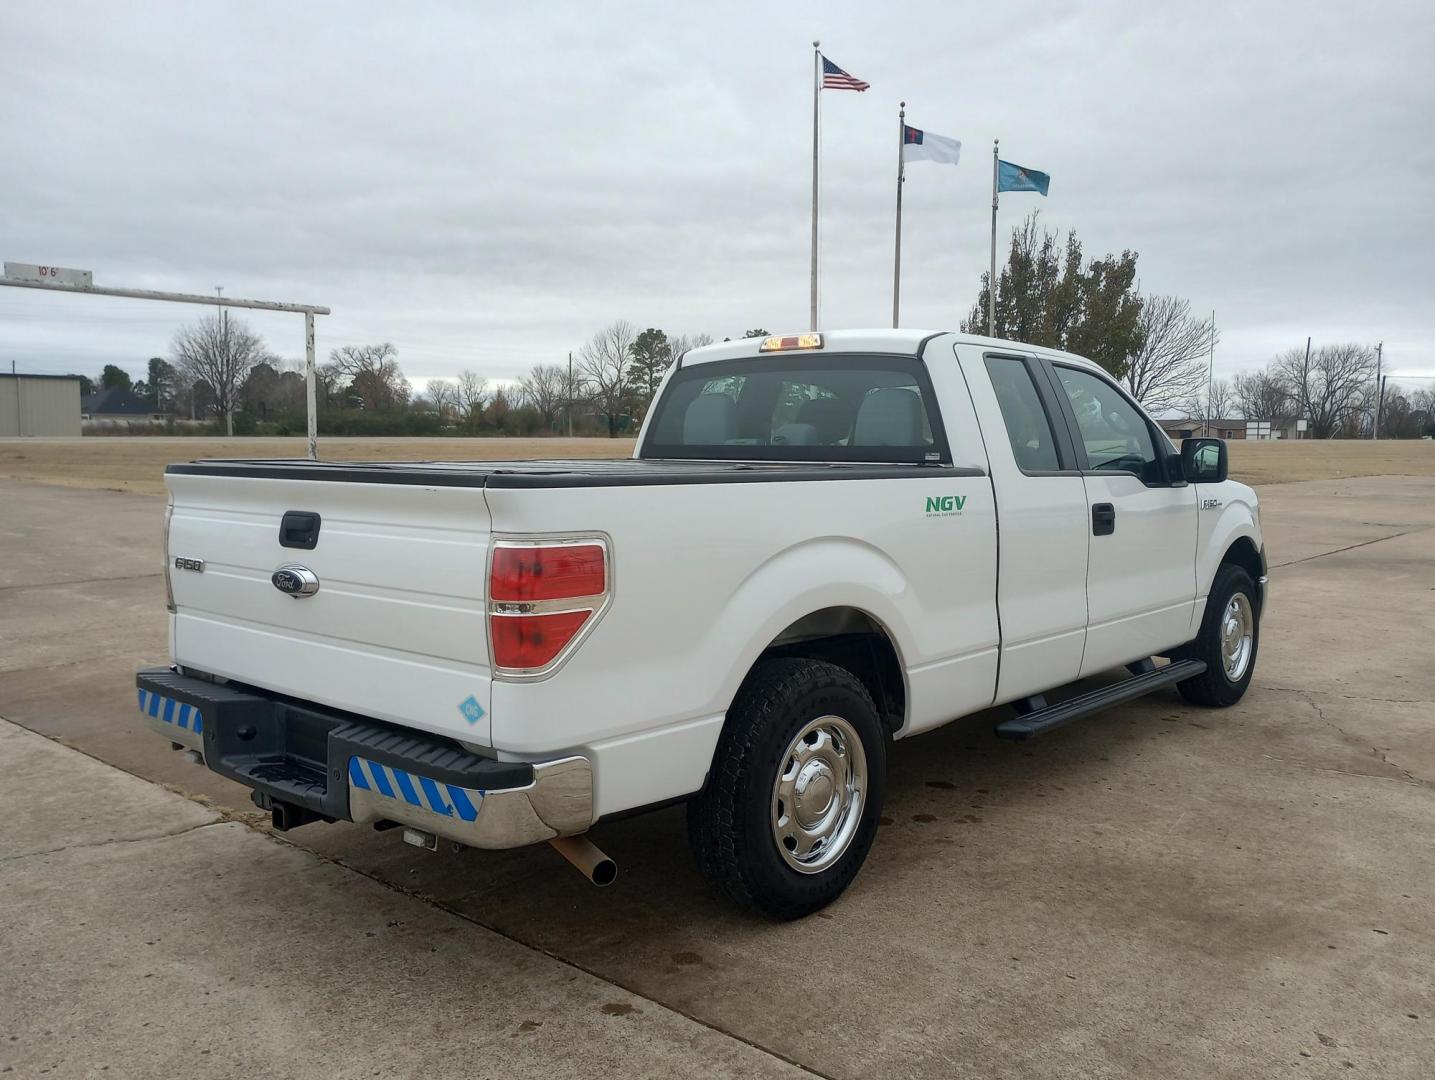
x,y
113,377
1048,295
652,353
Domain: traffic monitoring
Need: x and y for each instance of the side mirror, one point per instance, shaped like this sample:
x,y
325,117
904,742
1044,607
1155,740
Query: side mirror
x,y
1204,461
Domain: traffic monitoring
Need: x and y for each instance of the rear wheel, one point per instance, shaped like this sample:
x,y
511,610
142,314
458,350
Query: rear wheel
x,y
796,787
1229,637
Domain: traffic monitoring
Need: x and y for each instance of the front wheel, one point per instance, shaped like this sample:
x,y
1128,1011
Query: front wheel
x,y
1230,635
796,787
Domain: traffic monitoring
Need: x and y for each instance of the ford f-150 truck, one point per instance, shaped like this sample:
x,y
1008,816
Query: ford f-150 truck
x,y
823,542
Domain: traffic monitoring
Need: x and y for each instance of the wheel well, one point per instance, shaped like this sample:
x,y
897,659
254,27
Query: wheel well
x,y
1243,553
851,639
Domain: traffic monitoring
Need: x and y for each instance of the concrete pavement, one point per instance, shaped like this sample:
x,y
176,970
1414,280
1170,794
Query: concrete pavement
x,y
1161,890
144,936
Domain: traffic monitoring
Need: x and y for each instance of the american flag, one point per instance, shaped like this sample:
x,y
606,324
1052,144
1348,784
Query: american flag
x,y
834,78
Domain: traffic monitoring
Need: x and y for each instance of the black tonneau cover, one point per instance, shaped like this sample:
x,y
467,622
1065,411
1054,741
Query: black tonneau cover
x,y
616,472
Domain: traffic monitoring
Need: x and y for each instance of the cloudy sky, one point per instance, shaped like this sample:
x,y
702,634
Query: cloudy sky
x,y
485,185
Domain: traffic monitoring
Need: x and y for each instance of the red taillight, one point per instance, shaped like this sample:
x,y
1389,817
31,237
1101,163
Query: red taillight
x,y
524,574
542,595
526,642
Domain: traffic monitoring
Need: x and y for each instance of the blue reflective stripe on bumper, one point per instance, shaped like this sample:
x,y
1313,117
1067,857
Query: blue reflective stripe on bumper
x,y
415,789
170,711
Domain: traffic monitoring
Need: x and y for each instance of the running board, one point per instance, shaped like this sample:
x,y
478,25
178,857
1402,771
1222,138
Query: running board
x,y
1045,717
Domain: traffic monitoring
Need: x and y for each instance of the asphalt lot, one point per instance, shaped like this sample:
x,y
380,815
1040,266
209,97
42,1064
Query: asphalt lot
x,y
1159,891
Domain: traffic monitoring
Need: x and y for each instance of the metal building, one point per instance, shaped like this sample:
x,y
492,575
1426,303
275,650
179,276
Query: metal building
x,y
39,405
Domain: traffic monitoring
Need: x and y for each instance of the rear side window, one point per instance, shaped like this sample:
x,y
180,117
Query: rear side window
x,y
1027,426
838,407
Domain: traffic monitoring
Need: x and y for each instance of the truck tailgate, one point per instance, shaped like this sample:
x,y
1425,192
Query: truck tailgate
x,y
397,628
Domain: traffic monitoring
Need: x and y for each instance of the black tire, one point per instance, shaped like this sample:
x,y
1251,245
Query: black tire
x,y
731,822
1214,687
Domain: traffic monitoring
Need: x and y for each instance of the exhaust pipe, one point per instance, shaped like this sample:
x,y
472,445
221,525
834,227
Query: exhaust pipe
x,y
584,854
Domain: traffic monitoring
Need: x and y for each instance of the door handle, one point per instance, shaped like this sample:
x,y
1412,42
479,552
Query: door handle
x,y
1103,519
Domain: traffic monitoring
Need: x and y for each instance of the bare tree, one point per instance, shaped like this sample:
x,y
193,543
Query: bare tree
x,y
1259,395
1326,385
1219,400
441,396
219,351
1170,368
472,395
1210,403
1422,410
607,364
374,375
685,343
543,388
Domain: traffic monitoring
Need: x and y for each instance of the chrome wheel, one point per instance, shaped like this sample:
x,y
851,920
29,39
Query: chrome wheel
x,y
819,794
1237,636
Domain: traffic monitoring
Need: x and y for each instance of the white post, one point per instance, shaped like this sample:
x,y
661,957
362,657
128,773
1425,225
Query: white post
x,y
897,256
816,99
311,388
992,275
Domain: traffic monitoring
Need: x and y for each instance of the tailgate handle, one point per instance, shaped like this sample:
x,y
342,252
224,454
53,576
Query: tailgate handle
x,y
299,529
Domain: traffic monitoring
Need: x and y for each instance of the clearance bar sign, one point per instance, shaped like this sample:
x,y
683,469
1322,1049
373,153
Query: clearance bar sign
x,y
49,275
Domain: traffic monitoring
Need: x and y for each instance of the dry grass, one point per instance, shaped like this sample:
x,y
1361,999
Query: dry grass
x,y
137,464
1284,462
119,463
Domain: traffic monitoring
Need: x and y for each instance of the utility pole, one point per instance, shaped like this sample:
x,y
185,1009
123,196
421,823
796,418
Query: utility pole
x,y
1379,391
570,393
1304,403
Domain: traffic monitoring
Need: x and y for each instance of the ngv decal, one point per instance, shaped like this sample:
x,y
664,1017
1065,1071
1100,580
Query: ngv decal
x,y
944,505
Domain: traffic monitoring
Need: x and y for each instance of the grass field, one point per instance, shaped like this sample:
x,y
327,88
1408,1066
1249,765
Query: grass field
x,y
137,464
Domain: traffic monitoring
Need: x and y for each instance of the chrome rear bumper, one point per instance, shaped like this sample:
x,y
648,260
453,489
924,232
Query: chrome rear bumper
x,y
559,802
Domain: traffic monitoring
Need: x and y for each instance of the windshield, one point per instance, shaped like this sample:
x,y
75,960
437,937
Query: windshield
x,y
799,408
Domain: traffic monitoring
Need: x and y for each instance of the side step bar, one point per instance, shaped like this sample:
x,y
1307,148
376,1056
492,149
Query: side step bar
x,y
1046,717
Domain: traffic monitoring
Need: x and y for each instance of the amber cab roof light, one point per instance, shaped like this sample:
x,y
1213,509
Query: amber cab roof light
x,y
790,341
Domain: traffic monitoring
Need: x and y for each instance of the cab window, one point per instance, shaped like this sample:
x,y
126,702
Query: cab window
x,y
798,408
1113,431
1032,442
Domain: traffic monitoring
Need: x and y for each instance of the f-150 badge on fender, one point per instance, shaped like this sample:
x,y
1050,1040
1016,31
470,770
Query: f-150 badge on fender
x,y
295,580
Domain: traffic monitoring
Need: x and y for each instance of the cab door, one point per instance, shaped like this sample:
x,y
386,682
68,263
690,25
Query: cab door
x,y
1141,571
1042,512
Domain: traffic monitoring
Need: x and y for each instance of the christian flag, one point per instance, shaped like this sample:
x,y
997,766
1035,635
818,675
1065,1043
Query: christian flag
x,y
919,145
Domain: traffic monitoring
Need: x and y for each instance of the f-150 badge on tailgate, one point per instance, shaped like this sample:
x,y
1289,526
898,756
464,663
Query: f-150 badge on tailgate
x,y
295,580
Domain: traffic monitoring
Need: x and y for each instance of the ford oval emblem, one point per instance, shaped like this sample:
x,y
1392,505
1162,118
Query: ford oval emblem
x,y
295,580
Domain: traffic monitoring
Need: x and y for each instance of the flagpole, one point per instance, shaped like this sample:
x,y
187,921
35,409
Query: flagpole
x,y
897,256
992,277
816,99
1211,377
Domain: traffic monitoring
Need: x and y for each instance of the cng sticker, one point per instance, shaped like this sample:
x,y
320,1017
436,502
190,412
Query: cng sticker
x,y
945,505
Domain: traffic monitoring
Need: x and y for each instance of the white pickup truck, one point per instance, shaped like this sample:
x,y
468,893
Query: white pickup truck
x,y
822,543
